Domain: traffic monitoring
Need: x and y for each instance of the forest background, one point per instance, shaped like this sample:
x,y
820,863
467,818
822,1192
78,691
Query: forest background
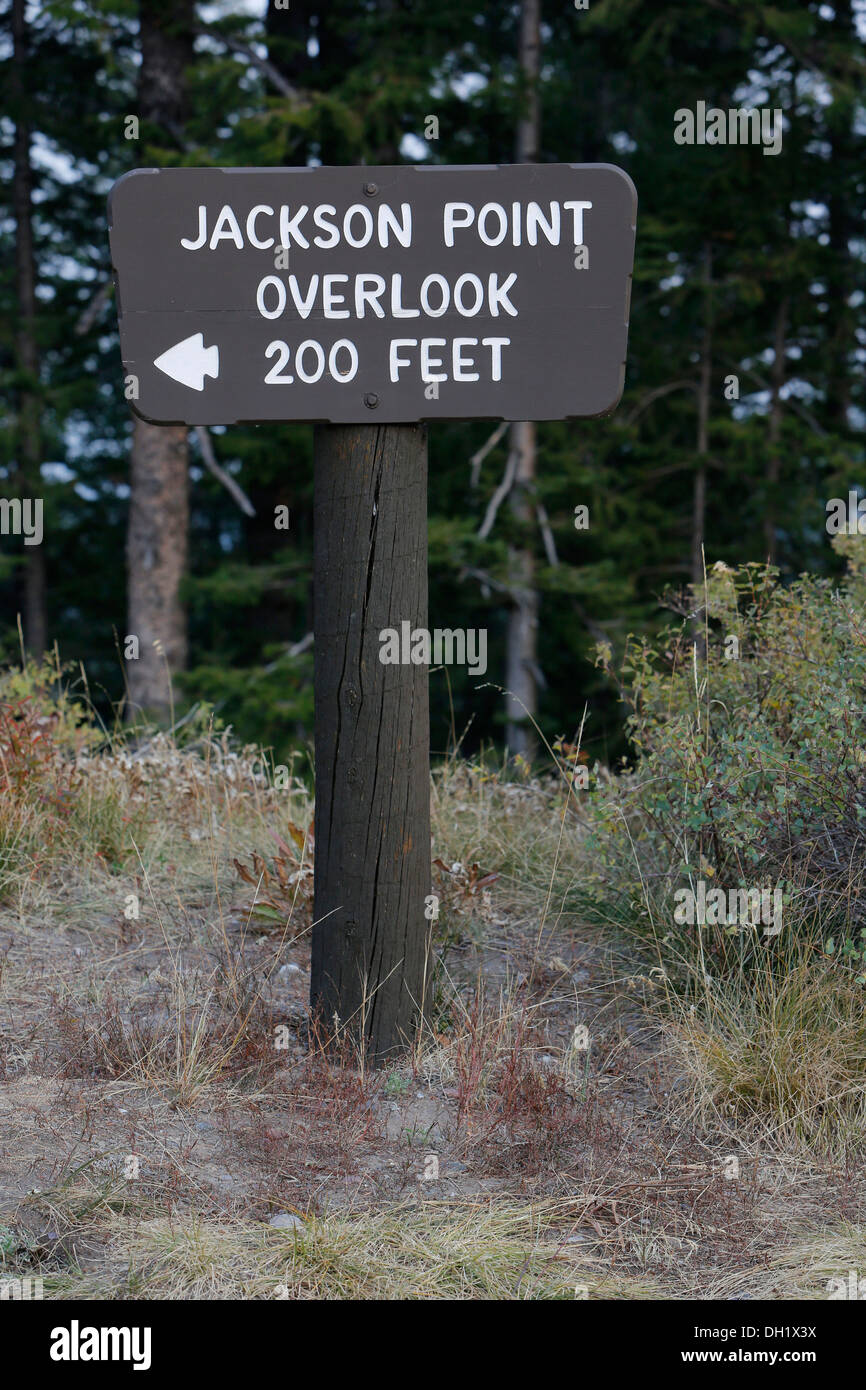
x,y
743,410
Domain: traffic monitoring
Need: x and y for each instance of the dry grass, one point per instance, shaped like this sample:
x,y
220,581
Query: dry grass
x,y
813,1265
525,830
781,1055
428,1251
575,1154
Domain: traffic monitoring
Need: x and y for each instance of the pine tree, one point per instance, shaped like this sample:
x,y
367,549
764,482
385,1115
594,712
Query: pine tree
x,y
159,458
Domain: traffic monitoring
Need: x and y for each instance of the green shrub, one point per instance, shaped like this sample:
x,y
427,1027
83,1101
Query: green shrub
x,y
750,772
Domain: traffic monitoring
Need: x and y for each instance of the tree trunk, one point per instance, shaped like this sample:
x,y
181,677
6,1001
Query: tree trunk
x,y
372,854
159,464
699,498
529,57
844,222
521,661
29,434
156,560
774,461
522,634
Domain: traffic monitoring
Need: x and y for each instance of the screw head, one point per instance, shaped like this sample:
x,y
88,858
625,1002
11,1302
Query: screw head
x,y
371,400
371,189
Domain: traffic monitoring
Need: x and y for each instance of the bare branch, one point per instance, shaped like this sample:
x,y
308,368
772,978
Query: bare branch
x,y
546,534
499,495
655,395
267,69
478,458
486,581
228,482
295,649
94,309
791,401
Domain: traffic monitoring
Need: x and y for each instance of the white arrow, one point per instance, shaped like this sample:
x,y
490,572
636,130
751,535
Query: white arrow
x,y
190,362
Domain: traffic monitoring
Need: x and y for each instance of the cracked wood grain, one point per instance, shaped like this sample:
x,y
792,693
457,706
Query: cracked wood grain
x,y
372,732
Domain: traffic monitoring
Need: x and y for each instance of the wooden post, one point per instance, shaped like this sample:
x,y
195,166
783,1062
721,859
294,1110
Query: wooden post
x,y
372,727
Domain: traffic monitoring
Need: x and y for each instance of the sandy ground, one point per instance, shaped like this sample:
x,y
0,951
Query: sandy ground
x,y
93,1128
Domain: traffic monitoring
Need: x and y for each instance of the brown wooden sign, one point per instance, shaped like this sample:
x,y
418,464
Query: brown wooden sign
x,y
371,294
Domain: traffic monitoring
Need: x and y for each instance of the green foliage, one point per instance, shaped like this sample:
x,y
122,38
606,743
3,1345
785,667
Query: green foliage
x,y
41,725
343,84
45,693
746,721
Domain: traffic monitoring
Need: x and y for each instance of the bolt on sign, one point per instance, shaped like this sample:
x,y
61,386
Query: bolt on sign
x,y
374,295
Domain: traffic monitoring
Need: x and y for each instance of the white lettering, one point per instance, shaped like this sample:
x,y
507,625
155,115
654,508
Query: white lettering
x,y
251,227
450,219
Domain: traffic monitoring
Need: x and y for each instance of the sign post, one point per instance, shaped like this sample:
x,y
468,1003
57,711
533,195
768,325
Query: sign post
x,y
368,301
372,865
